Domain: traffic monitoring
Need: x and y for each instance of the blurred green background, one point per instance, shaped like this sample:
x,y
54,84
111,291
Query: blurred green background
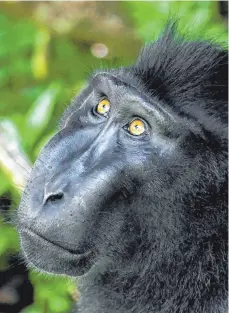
x,y
47,50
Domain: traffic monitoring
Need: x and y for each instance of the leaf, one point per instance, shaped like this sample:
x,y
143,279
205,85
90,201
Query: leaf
x,y
59,304
9,239
32,309
40,113
4,183
13,161
39,60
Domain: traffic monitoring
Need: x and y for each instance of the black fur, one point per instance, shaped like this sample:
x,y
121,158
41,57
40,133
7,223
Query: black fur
x,y
142,219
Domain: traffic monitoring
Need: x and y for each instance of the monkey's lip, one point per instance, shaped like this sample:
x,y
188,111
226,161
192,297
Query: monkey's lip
x,y
72,252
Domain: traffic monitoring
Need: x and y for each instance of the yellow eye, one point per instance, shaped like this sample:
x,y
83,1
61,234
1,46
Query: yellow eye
x,y
103,107
136,128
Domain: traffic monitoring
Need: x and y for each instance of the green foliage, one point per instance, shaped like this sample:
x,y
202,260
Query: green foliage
x,y
9,239
39,73
196,18
52,293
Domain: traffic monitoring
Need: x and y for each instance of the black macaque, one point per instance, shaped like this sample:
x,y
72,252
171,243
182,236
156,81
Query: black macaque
x,y
130,195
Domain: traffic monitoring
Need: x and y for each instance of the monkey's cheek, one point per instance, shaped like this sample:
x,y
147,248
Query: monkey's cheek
x,y
47,257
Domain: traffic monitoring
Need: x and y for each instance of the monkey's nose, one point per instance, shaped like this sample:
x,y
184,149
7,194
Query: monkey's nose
x,y
55,189
53,197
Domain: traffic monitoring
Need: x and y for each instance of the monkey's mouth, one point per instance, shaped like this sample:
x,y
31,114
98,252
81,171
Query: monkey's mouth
x,y
51,257
76,253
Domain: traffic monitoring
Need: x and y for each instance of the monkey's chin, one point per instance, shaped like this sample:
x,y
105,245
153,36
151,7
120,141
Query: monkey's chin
x,y
47,257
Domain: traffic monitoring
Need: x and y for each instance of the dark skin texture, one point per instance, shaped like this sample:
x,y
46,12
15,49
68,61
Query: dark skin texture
x,y
141,219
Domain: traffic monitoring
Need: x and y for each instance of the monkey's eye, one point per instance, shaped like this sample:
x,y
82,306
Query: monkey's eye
x,y
136,127
103,107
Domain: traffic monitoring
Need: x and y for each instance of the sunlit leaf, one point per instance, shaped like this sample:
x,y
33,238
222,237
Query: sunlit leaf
x,y
13,161
39,59
40,113
59,304
33,309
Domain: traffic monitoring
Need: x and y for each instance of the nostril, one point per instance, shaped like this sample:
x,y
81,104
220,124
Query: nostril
x,y
54,197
